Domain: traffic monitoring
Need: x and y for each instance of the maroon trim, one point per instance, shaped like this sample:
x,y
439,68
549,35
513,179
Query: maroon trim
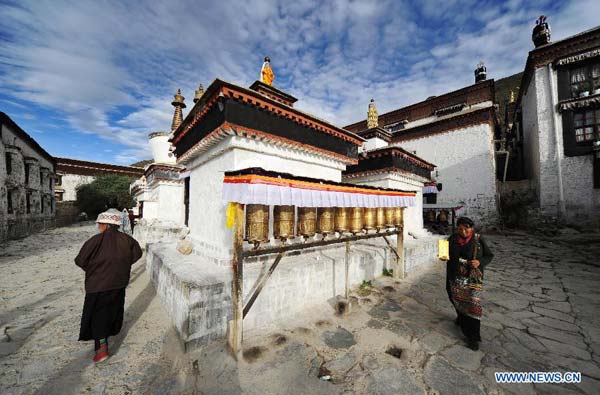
x,y
473,94
86,168
485,115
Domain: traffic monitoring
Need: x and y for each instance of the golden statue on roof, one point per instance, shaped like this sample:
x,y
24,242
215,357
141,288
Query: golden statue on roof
x,y
372,118
266,73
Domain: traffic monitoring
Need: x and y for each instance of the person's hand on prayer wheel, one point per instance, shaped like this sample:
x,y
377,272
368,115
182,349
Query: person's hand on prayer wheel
x,y
474,263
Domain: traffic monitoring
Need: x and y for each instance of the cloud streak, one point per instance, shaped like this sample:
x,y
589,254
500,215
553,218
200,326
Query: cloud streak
x,y
110,70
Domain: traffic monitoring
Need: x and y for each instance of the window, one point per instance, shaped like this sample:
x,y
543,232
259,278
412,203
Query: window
x,y
26,175
58,179
8,158
50,183
42,205
9,203
585,79
395,127
58,196
28,202
41,178
587,125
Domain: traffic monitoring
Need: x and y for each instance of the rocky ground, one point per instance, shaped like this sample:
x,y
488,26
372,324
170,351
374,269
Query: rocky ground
x,y
541,301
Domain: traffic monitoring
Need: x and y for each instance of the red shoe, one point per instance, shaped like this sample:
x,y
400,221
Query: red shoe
x,y
101,353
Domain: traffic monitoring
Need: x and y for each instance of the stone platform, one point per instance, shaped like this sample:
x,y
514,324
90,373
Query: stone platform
x,y
197,292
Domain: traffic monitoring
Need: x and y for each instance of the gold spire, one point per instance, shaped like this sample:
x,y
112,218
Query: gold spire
x,y
372,118
178,115
266,73
199,93
512,97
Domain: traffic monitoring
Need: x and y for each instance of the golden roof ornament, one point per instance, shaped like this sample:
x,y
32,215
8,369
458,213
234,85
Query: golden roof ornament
x,y
372,117
199,92
512,97
179,105
266,73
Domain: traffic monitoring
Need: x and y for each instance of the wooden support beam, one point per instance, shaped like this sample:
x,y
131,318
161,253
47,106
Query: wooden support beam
x,y
347,263
312,244
399,269
261,282
235,327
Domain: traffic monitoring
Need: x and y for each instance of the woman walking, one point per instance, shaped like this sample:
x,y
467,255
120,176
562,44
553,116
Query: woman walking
x,y
106,259
469,255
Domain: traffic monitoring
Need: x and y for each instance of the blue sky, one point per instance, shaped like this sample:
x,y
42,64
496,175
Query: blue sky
x,y
90,80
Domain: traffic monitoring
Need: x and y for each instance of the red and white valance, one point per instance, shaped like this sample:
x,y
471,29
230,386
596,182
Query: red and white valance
x,y
430,188
271,189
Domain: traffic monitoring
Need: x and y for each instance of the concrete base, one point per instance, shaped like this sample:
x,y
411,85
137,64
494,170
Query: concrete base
x,y
197,292
152,231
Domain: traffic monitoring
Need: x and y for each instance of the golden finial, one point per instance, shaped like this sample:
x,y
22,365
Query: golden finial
x,y
372,118
178,115
199,93
512,97
266,73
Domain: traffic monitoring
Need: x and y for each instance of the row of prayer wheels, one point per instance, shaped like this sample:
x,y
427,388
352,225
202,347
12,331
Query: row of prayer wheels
x,y
441,217
312,220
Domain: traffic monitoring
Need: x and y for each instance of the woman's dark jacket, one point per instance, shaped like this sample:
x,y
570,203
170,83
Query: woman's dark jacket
x,y
484,255
106,259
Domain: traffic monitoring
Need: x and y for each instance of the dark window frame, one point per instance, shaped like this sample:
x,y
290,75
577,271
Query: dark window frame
x,y
10,209
591,78
589,126
8,161
27,171
28,203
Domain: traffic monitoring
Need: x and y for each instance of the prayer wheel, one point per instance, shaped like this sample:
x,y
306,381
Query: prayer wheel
x,y
341,219
389,217
443,217
307,221
356,219
398,217
283,222
430,216
257,223
380,218
326,220
369,219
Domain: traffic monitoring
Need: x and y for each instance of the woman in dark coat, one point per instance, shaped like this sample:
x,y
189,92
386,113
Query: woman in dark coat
x,y
469,255
106,259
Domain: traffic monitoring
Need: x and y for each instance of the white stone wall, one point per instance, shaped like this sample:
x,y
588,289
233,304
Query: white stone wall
x,y
374,143
413,216
207,209
170,202
197,292
20,223
465,166
70,182
544,149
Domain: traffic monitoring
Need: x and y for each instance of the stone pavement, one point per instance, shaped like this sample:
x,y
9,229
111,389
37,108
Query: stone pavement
x,y
541,300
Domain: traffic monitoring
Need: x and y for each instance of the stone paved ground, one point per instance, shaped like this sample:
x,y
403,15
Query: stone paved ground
x,y
542,298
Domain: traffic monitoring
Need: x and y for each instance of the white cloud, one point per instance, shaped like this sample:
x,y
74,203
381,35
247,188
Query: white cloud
x,y
111,69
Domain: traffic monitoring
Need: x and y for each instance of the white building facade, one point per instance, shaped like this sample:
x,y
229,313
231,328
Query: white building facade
x,y
456,132
27,174
558,118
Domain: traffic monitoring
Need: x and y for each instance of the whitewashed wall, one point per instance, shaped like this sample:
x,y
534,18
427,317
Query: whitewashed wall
x,y
543,150
70,182
465,166
207,209
20,223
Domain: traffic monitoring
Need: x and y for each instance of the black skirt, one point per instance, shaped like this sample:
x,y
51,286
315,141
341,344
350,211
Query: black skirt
x,y
102,314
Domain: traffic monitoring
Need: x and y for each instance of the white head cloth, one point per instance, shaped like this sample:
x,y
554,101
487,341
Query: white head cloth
x,y
111,216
